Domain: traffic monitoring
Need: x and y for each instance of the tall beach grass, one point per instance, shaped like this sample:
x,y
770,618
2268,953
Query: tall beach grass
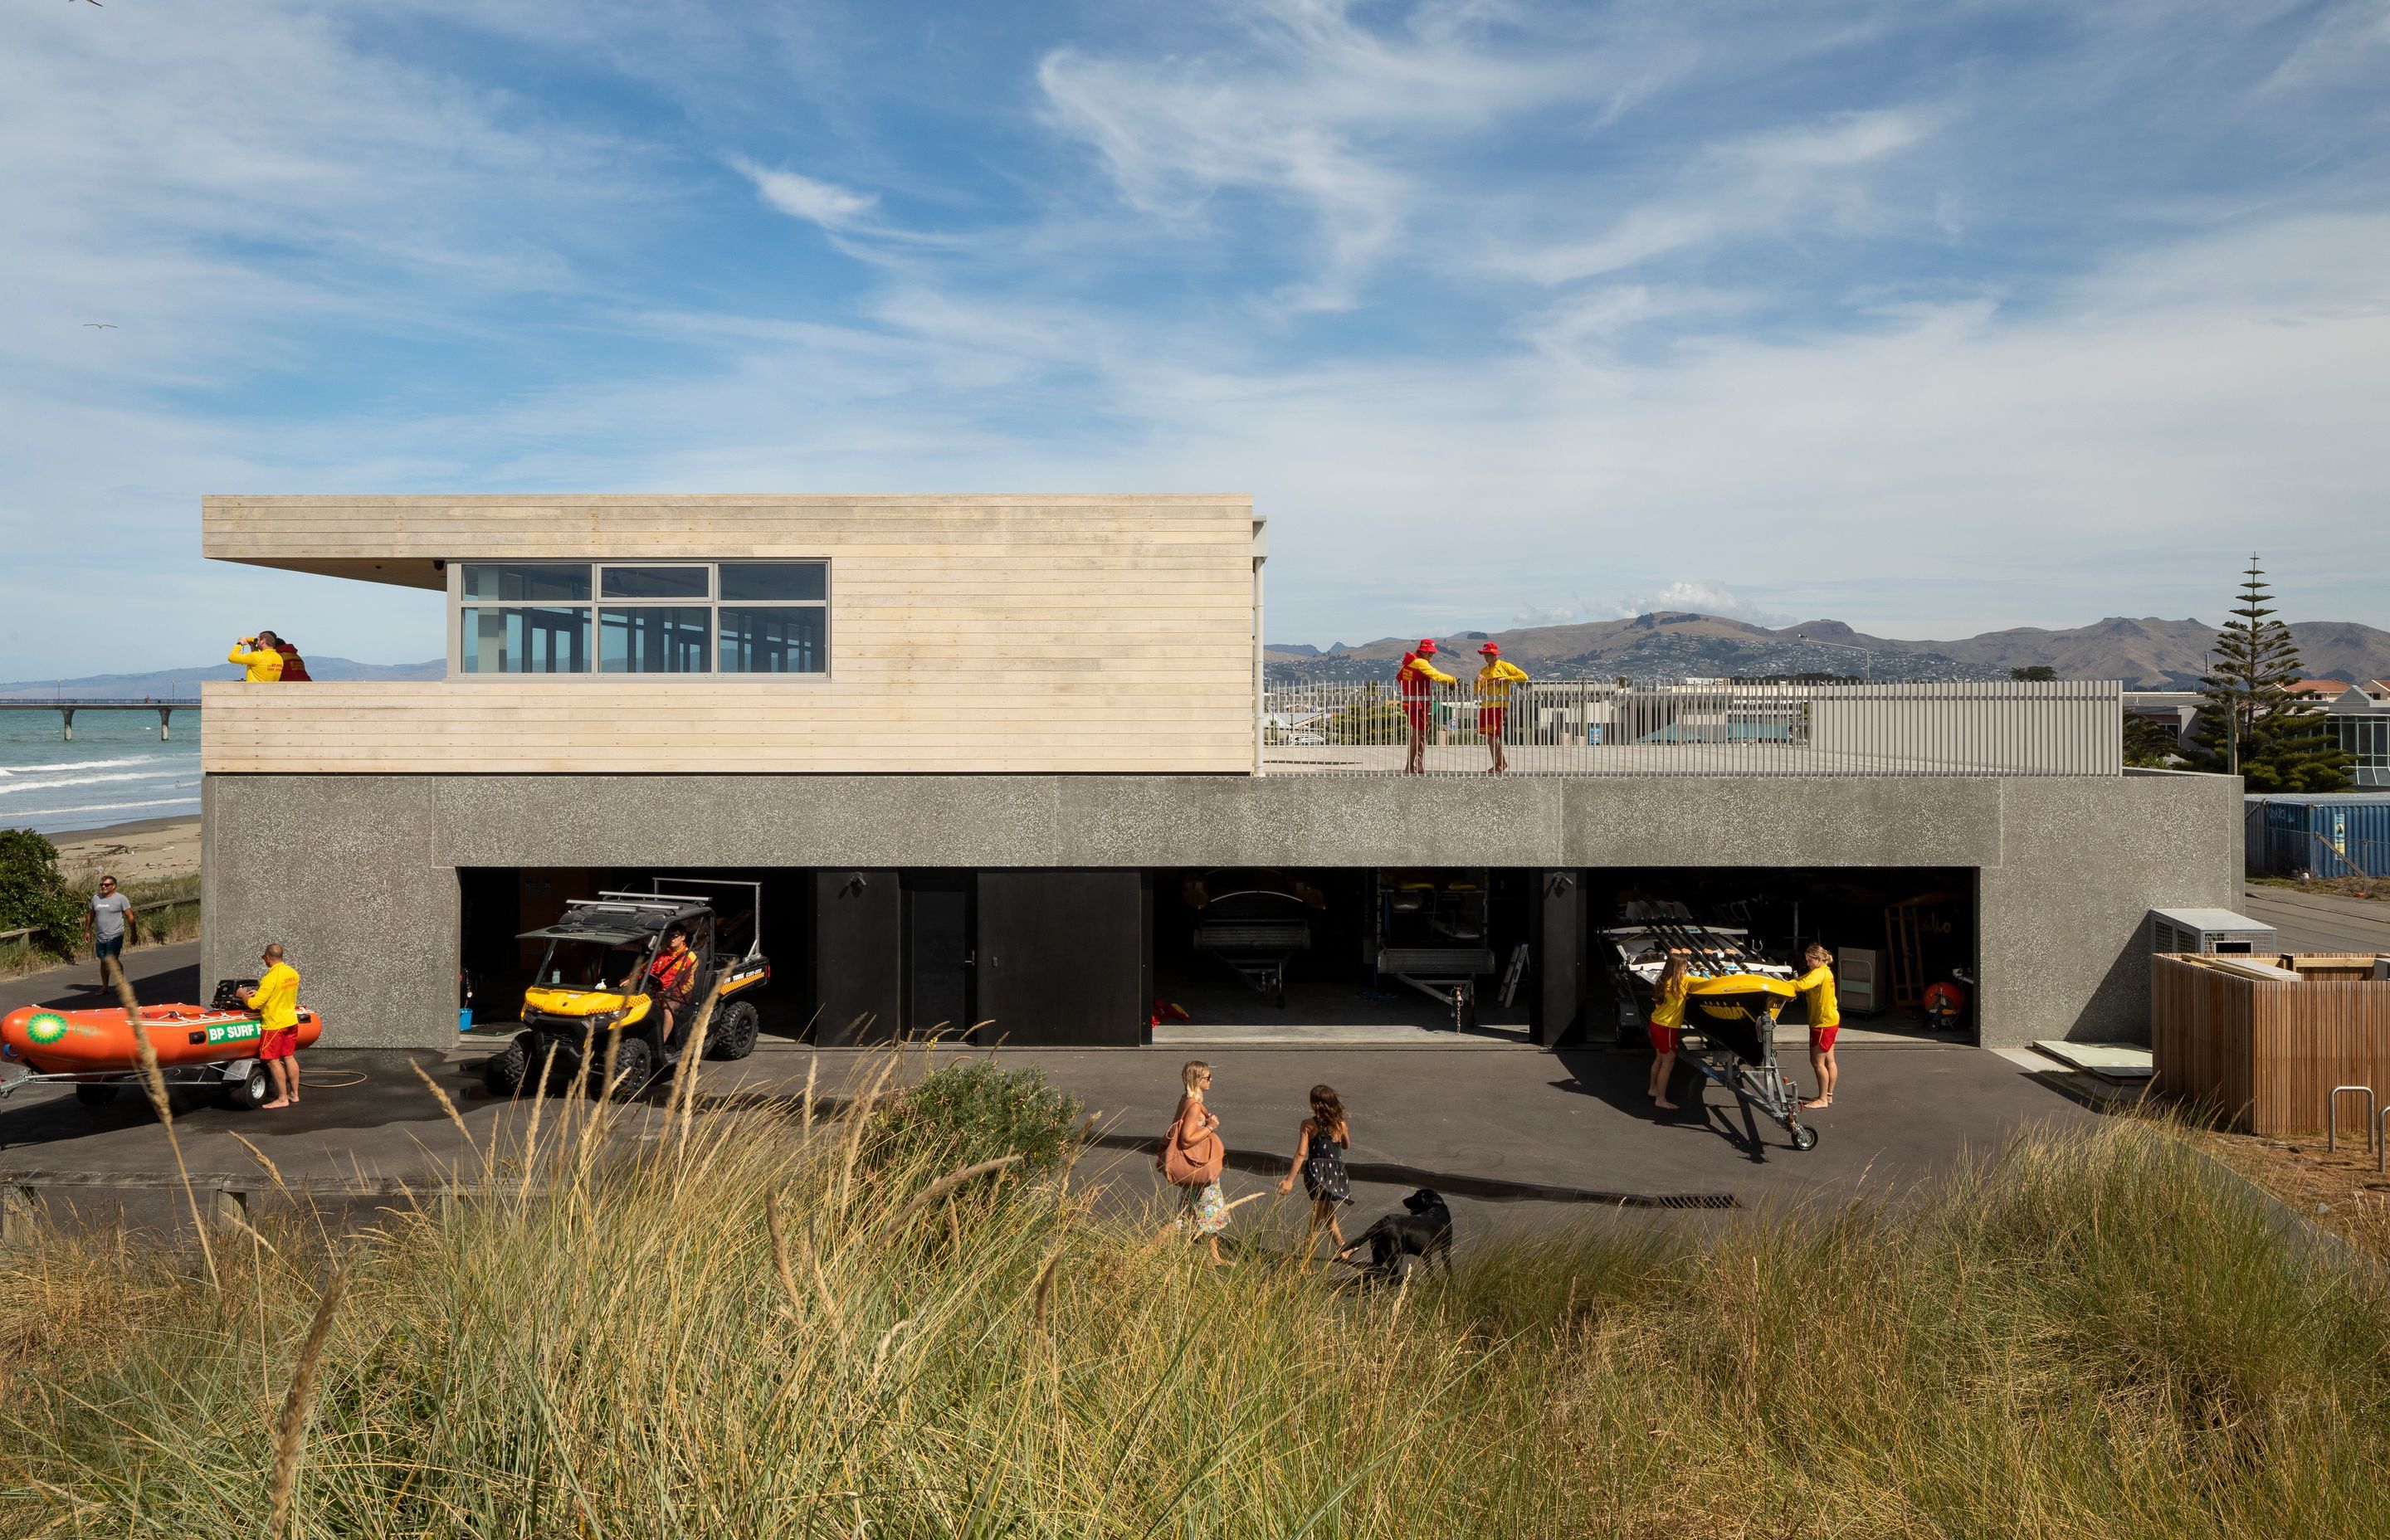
x,y
743,1330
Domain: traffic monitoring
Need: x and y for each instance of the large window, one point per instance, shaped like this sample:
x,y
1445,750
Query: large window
x,y
679,617
2367,739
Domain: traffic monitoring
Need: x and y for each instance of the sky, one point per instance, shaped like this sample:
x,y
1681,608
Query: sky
x,y
1930,318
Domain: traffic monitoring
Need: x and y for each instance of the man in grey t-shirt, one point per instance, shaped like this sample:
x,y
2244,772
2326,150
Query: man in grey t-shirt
x,y
105,923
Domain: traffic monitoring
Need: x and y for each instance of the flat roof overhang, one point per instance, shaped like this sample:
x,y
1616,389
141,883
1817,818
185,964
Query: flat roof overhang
x,y
406,540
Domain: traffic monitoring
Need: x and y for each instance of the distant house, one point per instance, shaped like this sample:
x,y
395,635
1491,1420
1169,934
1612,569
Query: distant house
x,y
2321,689
2361,719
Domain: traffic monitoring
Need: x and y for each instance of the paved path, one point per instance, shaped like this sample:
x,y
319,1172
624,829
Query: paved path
x,y
1516,1139
2320,922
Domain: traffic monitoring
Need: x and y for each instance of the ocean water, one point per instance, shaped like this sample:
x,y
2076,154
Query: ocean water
x,y
114,772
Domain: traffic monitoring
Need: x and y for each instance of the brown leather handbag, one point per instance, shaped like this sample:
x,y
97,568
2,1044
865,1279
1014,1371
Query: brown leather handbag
x,y
1195,1163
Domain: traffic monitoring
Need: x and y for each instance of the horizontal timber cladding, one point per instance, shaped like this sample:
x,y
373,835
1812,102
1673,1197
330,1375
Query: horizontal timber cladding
x,y
2265,1055
966,635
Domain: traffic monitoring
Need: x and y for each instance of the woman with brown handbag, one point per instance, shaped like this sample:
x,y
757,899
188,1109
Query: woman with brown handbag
x,y
1192,1154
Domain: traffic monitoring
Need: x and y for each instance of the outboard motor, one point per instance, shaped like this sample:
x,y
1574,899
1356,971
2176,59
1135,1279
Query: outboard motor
x,y
1946,1006
228,992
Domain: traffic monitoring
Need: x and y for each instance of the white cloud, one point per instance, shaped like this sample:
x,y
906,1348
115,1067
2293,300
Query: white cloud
x,y
823,203
1951,471
1704,596
1307,107
1762,184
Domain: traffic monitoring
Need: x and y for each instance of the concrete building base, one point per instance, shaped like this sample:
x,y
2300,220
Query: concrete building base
x,y
357,875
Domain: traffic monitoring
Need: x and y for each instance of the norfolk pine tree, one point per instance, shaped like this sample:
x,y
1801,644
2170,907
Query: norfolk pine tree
x,y
2250,721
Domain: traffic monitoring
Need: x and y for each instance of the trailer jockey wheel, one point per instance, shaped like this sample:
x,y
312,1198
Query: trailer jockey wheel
x,y
1805,1137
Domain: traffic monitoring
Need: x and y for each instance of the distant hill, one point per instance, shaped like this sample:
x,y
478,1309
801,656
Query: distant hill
x,y
2146,654
184,683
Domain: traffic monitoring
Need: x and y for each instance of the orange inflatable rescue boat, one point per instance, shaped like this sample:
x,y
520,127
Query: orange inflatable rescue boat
x,y
95,1050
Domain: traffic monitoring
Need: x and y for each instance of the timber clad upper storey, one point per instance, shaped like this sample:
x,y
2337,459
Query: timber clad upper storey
x,y
758,633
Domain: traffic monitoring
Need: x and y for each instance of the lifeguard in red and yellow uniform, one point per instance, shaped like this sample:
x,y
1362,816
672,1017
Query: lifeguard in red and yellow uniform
x,y
1494,681
1413,683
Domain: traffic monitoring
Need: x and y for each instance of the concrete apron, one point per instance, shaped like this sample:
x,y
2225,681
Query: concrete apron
x,y
1516,1141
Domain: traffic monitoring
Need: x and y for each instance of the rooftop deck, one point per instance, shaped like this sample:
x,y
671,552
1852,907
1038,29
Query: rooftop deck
x,y
2065,727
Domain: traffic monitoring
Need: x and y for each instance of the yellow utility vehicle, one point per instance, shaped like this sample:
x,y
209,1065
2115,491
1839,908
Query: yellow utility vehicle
x,y
578,1006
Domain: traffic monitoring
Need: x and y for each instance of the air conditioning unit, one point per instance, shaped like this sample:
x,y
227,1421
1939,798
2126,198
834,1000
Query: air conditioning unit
x,y
2211,931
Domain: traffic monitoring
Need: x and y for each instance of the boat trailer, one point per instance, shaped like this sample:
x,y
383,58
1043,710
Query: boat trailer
x,y
1445,974
1734,1044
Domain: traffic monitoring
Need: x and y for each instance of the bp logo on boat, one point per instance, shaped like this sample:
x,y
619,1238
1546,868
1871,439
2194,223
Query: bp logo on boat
x,y
45,1027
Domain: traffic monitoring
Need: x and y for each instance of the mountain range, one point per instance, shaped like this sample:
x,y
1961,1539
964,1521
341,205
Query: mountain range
x,y
178,684
2149,653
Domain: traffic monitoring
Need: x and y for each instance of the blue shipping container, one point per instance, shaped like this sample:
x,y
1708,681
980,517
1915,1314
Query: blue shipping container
x,y
2328,835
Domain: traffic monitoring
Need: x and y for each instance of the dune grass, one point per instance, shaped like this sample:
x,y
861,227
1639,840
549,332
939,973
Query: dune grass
x,y
742,1331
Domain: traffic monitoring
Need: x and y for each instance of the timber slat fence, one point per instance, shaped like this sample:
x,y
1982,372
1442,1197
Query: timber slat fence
x,y
6,936
2263,1054
1705,727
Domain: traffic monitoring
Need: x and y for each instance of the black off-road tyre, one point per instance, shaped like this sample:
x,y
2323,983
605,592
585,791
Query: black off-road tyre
x,y
731,1033
505,1070
635,1065
97,1096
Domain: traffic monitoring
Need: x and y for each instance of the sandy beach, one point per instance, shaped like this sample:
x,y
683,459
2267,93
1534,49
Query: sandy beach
x,y
136,852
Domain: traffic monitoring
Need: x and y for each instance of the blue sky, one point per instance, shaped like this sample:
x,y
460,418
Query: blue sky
x,y
1931,318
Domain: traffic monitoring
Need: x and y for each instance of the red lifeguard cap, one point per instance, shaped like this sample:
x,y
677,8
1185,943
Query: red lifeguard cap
x,y
1491,651
1427,644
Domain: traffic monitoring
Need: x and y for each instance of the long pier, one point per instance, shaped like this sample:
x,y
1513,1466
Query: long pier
x,y
67,709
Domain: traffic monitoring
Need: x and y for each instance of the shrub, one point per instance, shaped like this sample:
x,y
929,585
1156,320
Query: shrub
x,y
33,895
974,1111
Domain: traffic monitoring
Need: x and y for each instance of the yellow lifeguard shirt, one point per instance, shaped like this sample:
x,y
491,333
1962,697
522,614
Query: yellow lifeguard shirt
x,y
1818,984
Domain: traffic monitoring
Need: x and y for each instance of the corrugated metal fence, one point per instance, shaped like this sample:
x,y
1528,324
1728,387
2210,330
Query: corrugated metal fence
x,y
2064,727
2325,838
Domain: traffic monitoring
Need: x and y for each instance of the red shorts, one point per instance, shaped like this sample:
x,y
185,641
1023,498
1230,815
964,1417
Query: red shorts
x,y
1489,720
1663,1039
281,1043
1417,710
1821,1039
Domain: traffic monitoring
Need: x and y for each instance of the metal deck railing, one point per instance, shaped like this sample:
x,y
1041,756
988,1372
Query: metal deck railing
x,y
1702,728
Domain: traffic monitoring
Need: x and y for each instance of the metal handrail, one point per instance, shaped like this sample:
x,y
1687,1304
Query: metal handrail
x,y
1696,727
2332,1121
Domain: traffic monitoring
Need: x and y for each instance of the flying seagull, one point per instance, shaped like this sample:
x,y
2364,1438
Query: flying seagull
x,y
101,326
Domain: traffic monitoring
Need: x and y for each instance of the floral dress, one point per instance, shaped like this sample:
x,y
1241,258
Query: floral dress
x,y
1323,1169
1202,1210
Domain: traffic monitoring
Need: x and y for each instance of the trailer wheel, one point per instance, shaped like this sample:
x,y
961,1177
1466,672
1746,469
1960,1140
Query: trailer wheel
x,y
1805,1137
731,1035
95,1096
250,1092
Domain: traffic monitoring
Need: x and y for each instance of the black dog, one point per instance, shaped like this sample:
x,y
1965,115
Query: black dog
x,y
1425,1231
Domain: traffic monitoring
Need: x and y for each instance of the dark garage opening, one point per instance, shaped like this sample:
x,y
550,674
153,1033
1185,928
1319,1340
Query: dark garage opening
x,y
1263,954
498,904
